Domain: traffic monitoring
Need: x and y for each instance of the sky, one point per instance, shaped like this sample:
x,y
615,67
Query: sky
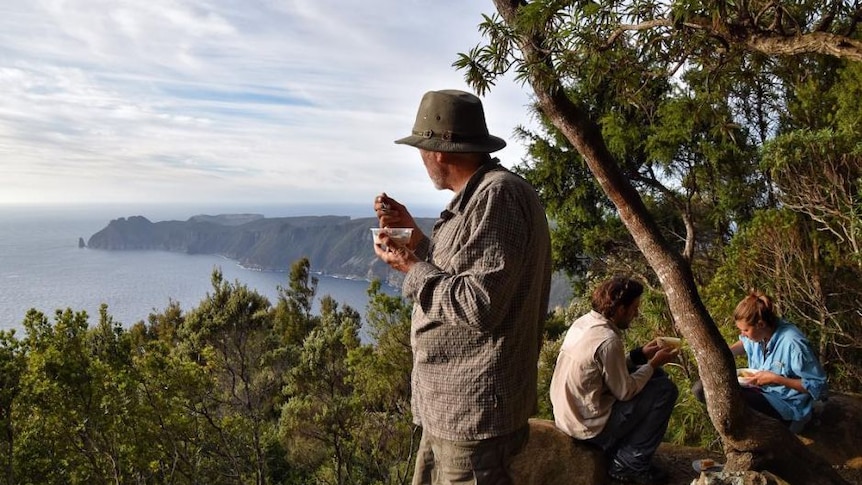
x,y
230,101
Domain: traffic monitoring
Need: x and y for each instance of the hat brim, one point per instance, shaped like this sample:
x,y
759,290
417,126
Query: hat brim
x,y
487,145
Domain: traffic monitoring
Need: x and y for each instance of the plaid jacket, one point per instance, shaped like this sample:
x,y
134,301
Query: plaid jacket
x,y
480,298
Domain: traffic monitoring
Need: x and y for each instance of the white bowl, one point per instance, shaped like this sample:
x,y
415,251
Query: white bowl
x,y
743,375
400,235
672,342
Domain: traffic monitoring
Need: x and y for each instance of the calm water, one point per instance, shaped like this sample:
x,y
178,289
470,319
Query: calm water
x,y
42,267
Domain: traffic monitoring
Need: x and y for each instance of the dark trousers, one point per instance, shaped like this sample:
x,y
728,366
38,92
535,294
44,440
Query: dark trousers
x,y
752,396
637,426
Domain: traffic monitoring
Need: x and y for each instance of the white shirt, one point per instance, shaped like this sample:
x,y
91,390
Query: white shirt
x,y
591,374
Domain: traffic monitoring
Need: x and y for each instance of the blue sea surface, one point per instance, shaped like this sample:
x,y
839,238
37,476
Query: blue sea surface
x,y
42,267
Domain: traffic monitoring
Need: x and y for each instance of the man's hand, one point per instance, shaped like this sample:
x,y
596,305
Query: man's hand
x,y
397,256
662,356
651,348
391,213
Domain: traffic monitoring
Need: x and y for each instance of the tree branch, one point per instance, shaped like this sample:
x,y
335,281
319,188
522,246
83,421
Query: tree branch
x,y
771,41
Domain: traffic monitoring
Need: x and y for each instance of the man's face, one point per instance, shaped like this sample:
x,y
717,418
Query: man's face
x,y
437,171
627,314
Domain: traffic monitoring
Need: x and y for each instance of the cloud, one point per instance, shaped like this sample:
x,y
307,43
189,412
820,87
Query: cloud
x,y
191,101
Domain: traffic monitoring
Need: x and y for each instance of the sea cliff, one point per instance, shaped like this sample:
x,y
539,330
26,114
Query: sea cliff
x,y
334,245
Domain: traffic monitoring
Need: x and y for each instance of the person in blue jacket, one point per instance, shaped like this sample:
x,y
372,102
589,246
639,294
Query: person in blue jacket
x,y
788,377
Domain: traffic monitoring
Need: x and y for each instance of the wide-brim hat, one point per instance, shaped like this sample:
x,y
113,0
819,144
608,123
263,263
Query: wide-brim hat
x,y
452,121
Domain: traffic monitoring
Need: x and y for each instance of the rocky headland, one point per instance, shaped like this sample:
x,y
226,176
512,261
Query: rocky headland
x,y
334,245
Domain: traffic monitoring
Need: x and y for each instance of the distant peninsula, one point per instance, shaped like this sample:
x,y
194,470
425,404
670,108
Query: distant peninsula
x,y
334,245
337,246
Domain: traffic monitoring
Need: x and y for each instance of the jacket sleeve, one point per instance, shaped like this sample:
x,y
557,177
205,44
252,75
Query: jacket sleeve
x,y
806,365
622,384
477,286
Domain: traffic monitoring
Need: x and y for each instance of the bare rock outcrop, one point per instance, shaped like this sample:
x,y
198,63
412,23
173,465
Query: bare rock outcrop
x,y
553,458
835,432
738,478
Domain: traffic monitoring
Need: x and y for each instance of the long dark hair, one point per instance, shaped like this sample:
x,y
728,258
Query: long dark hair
x,y
614,293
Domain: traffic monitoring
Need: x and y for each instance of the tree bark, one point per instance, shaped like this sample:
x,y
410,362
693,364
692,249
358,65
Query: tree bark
x,y
751,440
753,39
812,42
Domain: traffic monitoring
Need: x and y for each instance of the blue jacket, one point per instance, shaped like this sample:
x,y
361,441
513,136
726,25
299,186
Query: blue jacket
x,y
789,354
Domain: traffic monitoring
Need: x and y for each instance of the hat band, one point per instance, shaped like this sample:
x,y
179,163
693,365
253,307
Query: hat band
x,y
449,136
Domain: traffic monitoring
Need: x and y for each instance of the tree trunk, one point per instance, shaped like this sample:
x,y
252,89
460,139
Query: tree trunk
x,y
751,440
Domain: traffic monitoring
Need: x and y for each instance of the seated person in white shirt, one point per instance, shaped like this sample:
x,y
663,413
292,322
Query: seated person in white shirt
x,y
619,403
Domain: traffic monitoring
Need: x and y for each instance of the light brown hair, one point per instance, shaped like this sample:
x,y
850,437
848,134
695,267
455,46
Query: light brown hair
x,y
754,308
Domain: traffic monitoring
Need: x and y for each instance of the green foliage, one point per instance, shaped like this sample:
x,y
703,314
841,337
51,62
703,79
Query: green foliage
x,y
233,392
382,371
689,423
692,162
749,164
746,158
813,280
71,420
848,94
574,204
380,374
547,362
556,325
13,362
819,174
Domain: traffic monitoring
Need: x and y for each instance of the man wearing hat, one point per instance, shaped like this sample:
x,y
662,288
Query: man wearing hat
x,y
479,286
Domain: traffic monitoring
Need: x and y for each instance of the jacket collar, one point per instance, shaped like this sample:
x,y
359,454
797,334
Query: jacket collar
x,y
459,202
603,320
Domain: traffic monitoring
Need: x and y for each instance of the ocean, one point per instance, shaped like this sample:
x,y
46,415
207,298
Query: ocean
x,y
42,267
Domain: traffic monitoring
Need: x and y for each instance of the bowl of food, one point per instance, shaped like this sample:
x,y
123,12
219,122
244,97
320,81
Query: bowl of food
x,y
400,235
744,376
670,342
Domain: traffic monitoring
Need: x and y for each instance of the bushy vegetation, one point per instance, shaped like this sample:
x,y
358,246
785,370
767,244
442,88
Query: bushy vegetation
x,y
748,161
234,391
239,390
706,148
